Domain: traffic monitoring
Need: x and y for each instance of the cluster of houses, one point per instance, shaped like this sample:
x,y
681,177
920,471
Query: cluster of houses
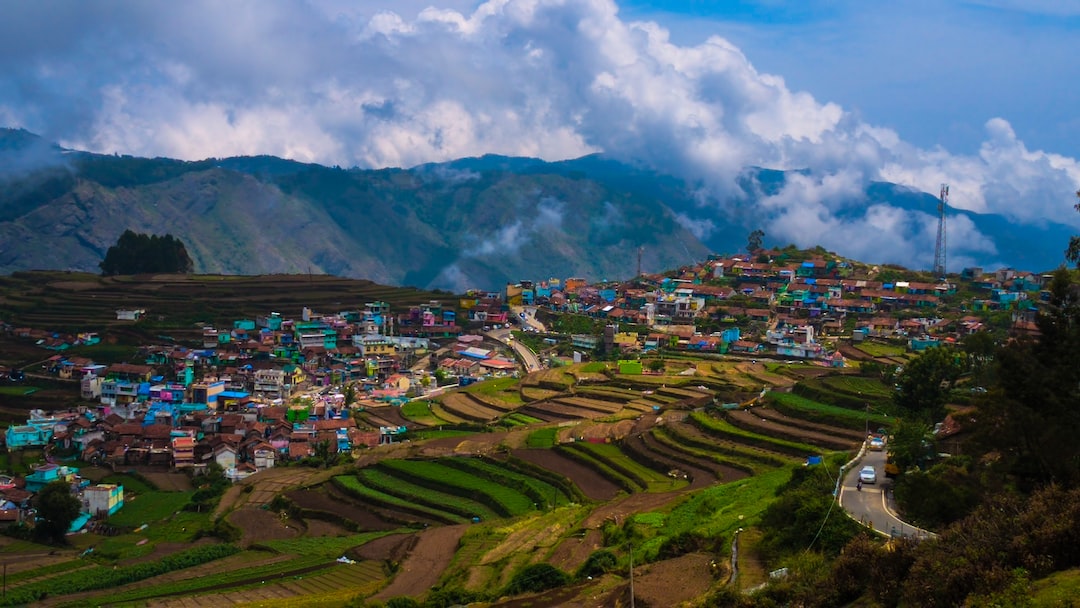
x,y
96,501
254,395
785,306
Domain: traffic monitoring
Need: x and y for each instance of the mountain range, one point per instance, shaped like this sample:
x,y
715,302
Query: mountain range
x,y
473,222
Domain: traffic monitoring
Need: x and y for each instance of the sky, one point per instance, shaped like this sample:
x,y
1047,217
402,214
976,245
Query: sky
x,y
979,94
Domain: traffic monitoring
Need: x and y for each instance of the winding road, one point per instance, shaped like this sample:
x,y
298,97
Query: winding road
x,y
873,506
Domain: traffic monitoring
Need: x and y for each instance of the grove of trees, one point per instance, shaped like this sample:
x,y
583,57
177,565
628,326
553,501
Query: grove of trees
x,y
140,253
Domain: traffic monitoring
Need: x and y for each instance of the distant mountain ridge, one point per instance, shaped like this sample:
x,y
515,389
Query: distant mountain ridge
x,y
472,222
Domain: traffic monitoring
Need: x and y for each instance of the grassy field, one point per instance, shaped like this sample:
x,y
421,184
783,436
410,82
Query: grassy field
x,y
880,349
542,438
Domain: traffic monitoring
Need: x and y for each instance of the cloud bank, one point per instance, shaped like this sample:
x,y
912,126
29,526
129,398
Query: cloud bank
x,y
553,79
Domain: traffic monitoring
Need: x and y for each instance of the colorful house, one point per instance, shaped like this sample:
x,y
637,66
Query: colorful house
x,y
103,499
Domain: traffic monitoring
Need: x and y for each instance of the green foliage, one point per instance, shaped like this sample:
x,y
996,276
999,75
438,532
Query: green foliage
x,y
910,443
542,438
446,598
57,508
598,563
535,578
867,566
925,382
1033,419
980,554
939,496
805,516
753,242
100,577
210,487
139,253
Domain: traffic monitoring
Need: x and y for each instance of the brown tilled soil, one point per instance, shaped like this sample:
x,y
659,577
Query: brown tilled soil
x,y
260,525
571,551
750,420
394,547
666,583
592,484
423,566
320,499
839,432
168,481
619,510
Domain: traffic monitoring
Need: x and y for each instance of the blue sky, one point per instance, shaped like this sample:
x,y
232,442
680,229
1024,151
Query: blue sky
x,y
935,71
979,94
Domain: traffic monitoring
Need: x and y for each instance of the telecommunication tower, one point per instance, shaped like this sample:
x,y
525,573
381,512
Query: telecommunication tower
x,y
939,250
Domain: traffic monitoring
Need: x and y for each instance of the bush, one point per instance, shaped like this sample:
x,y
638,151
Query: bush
x,y
536,578
599,563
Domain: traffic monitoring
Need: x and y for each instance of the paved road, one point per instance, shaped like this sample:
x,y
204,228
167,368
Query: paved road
x,y
532,362
873,505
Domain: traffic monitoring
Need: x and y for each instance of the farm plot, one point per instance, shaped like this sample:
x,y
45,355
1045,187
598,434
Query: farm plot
x,y
425,563
684,437
551,411
803,408
371,489
871,388
773,415
492,402
701,470
461,482
723,428
465,407
537,490
326,502
621,469
591,483
591,406
830,439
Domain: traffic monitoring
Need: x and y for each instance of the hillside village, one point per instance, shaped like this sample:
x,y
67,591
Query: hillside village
x,y
273,390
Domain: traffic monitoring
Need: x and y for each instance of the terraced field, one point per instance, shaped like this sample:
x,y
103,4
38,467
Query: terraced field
x,y
755,421
75,301
467,407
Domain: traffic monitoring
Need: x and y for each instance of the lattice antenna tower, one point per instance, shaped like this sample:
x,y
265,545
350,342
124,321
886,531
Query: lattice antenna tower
x,y
940,248
639,252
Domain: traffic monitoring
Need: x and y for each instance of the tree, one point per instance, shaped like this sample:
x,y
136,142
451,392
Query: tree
x,y
1032,417
910,443
57,508
753,242
139,253
926,381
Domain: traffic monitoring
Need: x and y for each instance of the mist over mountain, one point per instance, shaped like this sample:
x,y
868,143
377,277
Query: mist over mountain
x,y
472,222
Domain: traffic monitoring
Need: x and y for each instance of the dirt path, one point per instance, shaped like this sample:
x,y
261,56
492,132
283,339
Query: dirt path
x,y
425,563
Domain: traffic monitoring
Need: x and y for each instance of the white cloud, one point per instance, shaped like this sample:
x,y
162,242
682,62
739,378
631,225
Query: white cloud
x,y
369,86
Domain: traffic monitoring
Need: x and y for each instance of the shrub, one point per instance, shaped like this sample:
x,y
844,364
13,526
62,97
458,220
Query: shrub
x,y
599,563
535,578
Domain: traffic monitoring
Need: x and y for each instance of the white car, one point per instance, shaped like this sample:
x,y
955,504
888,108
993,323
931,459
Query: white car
x,y
868,474
877,444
